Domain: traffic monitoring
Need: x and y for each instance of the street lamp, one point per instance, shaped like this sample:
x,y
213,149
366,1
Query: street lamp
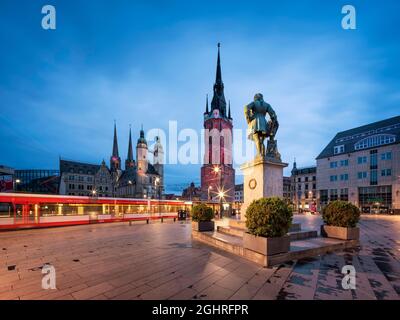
x,y
218,170
16,182
209,188
221,195
157,184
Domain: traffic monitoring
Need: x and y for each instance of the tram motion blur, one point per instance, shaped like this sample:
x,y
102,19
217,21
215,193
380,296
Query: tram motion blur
x,y
19,210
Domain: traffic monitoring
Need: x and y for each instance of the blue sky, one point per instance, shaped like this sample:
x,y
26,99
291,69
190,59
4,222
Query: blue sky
x,y
153,61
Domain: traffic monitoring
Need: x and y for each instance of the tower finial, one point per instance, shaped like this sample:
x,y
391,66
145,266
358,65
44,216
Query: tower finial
x,y
218,78
115,160
218,100
141,132
129,158
115,142
229,110
207,111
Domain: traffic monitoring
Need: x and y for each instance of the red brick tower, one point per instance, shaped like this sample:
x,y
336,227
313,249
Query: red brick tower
x,y
217,173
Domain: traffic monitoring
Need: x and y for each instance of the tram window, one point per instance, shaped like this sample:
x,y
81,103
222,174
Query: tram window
x,y
6,210
92,209
48,210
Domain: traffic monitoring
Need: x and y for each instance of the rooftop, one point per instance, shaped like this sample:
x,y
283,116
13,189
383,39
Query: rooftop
x,y
369,136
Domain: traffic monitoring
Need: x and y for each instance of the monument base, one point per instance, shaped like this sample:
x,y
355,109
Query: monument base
x,y
263,178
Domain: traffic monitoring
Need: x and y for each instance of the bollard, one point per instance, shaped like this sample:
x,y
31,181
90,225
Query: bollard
x,y
174,219
162,219
147,221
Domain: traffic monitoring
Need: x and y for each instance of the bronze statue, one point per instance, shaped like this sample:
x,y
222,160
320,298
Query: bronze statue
x,y
260,129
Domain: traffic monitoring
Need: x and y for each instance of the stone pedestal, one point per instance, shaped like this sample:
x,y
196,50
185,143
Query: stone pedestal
x,y
263,178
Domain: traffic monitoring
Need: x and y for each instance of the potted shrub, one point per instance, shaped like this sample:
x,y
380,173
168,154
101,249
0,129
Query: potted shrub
x,y
202,216
268,221
340,218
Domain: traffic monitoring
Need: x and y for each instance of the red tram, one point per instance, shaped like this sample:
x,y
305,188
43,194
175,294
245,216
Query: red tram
x,y
19,210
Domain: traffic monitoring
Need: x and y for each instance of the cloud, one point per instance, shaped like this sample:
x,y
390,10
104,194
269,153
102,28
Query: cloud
x,y
318,83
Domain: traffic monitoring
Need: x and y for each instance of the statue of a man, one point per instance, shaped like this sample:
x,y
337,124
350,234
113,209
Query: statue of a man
x,y
260,129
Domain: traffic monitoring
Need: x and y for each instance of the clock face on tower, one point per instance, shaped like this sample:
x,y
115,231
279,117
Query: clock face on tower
x,y
216,113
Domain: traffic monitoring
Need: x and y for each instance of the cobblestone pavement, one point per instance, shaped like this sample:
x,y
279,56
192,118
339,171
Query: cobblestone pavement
x,y
159,261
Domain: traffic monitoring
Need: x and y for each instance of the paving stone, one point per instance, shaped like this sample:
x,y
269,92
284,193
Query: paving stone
x,y
115,261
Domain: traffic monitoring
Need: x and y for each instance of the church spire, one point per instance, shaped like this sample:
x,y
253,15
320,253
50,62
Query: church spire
x,y
294,166
129,159
218,77
115,143
115,160
229,110
218,100
207,111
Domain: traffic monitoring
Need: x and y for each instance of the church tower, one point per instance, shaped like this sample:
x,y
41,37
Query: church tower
x,y
217,172
129,162
141,166
115,160
158,160
141,154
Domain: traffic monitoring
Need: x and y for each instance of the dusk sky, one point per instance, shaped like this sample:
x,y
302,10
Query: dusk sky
x,y
154,61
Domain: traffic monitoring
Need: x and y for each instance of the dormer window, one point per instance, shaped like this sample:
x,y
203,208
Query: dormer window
x,y
338,149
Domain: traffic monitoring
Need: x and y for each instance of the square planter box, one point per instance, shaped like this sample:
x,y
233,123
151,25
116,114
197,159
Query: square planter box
x,y
266,246
203,226
341,233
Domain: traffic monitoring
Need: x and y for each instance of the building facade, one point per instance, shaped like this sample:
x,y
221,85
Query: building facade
x,y
362,165
78,179
217,172
6,179
287,189
191,193
239,197
304,188
36,181
140,179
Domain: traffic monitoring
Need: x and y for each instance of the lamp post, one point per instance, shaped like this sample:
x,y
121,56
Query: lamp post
x,y
221,193
209,188
157,185
217,170
16,182
94,193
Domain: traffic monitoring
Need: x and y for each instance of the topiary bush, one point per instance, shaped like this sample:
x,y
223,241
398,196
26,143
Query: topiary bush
x,y
201,212
268,217
341,214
